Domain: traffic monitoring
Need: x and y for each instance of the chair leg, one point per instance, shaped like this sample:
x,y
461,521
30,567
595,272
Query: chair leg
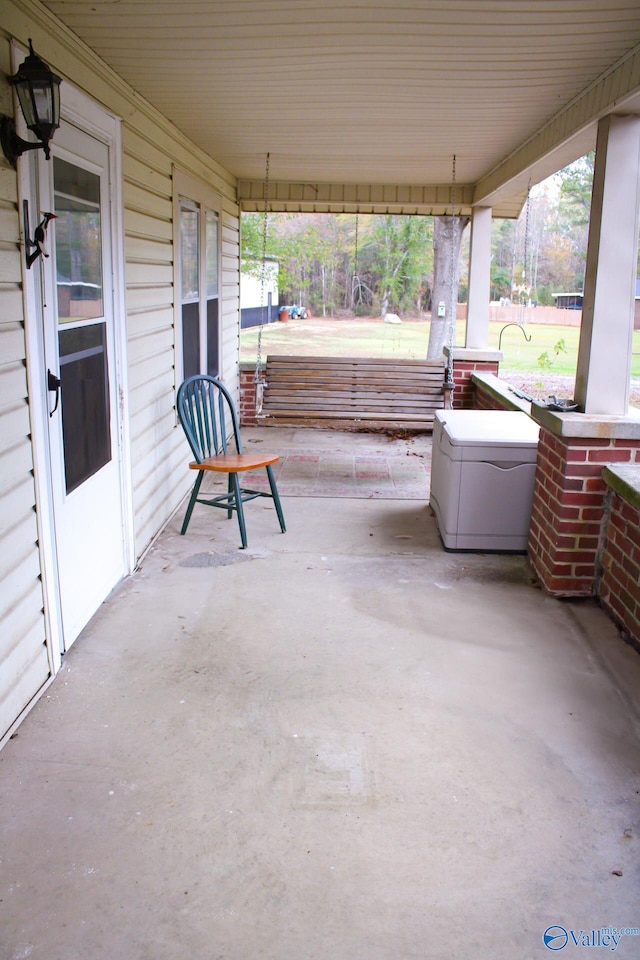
x,y
230,491
192,502
237,492
276,498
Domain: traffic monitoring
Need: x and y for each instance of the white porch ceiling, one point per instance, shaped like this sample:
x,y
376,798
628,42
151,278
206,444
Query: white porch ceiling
x,y
374,98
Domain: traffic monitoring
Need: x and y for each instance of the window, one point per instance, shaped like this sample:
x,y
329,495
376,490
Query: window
x,y
197,236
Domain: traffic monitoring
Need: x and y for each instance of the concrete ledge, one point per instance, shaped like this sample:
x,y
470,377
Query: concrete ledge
x,y
474,356
625,481
588,426
499,390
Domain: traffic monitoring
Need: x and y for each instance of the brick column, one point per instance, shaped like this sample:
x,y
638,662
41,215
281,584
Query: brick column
x,y
569,495
247,410
464,391
465,363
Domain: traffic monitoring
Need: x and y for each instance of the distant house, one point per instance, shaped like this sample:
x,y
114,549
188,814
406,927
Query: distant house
x,y
568,301
258,293
573,301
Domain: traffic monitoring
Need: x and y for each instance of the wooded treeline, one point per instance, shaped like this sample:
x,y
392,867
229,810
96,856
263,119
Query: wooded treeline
x,y
372,265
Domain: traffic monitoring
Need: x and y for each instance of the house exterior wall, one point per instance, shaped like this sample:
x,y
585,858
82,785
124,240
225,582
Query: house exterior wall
x,y
24,661
252,294
157,453
255,291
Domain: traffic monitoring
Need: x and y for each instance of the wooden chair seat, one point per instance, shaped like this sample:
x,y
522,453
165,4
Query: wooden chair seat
x,y
233,463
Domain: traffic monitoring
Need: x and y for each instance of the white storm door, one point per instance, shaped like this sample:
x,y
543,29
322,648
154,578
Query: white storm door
x,y
81,370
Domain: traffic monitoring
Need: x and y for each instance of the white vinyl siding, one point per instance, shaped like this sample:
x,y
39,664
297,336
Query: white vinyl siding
x,y
24,662
157,480
230,289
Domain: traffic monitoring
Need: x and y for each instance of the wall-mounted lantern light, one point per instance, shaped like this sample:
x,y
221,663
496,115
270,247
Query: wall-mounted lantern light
x,y
38,92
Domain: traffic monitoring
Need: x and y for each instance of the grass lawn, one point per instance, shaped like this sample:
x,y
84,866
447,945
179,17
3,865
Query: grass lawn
x,y
373,338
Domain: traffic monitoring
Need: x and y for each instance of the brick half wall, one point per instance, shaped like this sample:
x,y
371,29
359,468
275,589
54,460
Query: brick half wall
x,y
618,583
568,509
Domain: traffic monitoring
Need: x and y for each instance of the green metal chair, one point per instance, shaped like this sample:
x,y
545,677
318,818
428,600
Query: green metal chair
x,y
205,407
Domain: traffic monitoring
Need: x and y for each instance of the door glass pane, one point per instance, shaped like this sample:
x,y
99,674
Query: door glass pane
x,y
78,234
212,254
86,428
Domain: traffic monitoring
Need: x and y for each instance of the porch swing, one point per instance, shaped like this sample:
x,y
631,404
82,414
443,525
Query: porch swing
x,y
343,392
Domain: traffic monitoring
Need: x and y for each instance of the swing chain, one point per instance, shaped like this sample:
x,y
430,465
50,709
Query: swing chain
x,y
452,297
263,272
258,377
355,283
526,244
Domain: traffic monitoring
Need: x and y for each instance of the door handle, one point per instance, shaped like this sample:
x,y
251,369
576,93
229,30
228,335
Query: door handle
x,y
53,385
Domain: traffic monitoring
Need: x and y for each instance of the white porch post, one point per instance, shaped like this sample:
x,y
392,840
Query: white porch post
x,y
604,353
477,336
475,356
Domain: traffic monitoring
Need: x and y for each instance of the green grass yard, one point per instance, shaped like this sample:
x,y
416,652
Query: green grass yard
x,y
373,338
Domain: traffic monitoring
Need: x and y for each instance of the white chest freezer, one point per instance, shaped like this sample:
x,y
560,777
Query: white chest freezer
x,y
482,475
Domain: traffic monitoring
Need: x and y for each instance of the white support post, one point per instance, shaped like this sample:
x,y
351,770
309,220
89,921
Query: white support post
x,y
604,352
476,356
477,336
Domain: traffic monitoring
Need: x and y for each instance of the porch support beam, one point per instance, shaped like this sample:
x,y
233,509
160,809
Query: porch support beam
x,y
475,356
416,199
604,352
477,335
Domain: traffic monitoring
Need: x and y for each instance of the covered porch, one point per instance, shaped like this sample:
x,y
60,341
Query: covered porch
x,y
343,742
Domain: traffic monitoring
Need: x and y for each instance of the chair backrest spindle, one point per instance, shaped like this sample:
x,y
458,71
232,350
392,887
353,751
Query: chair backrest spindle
x,y
204,406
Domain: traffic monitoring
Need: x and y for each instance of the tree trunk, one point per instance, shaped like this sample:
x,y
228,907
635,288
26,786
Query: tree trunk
x,y
447,237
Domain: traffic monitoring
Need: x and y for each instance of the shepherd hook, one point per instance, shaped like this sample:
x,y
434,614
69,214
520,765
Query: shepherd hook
x,y
524,333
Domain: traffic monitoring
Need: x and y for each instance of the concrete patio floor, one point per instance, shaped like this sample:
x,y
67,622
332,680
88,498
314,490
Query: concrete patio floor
x,y
340,744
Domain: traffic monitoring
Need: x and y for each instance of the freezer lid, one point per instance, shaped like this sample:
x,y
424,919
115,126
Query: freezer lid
x,y
488,428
